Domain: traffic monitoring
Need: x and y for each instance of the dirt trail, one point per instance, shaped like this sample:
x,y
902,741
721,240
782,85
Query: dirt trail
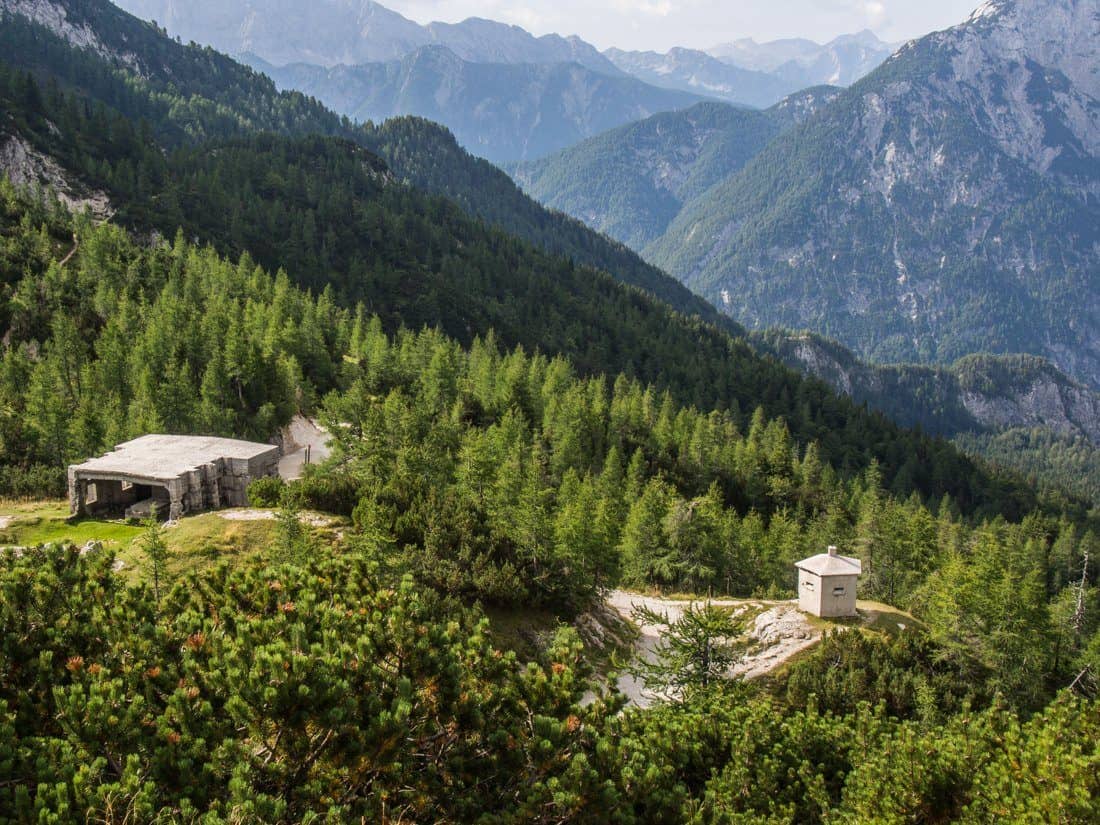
x,y
69,257
302,438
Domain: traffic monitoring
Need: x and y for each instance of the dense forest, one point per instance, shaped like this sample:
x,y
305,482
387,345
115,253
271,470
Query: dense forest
x,y
318,690
514,430
416,260
503,476
356,680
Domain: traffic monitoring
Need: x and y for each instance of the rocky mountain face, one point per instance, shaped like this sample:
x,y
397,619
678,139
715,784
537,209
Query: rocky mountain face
x,y
945,205
977,393
78,26
1018,411
501,112
632,182
24,165
758,74
349,32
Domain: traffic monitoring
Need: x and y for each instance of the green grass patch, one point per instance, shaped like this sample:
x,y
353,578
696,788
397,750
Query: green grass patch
x,y
47,522
886,619
194,543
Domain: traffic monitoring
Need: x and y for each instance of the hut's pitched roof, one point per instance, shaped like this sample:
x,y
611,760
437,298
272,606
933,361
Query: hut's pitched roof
x,y
830,564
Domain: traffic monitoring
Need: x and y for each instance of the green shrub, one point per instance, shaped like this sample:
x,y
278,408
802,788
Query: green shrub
x,y
36,481
266,492
334,493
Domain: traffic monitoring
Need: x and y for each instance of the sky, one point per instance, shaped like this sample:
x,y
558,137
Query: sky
x,y
661,24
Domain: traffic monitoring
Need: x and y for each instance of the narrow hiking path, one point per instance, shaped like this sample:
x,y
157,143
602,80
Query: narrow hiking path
x,y
69,257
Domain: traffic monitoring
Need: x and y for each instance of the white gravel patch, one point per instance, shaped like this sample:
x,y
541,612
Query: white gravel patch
x,y
779,632
250,514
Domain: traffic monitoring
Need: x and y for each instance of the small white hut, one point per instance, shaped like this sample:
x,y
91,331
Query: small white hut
x,y
827,584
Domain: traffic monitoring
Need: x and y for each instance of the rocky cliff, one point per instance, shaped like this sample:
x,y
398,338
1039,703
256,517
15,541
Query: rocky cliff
x,y
947,204
976,393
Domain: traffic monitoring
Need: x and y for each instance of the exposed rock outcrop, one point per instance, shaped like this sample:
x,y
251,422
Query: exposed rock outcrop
x,y
56,18
981,392
25,166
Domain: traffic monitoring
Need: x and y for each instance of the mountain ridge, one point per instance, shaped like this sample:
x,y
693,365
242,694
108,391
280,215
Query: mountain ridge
x,y
330,33
758,74
946,204
500,111
632,182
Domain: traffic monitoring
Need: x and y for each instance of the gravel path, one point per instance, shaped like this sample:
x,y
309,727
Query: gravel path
x,y
300,435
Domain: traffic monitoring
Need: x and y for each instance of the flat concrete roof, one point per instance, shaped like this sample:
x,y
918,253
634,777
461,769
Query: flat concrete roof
x,y
165,457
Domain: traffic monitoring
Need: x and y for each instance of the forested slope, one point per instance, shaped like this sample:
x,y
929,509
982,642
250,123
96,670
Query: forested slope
x,y
633,181
473,473
513,431
188,94
417,260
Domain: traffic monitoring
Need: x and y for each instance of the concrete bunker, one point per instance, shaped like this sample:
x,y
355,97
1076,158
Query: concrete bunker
x,y
175,473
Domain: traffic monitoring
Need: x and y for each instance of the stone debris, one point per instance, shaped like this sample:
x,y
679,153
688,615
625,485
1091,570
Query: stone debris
x,y
780,631
250,514
778,634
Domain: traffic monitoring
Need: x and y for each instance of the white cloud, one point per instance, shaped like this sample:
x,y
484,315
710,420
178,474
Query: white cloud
x,y
875,12
653,8
524,16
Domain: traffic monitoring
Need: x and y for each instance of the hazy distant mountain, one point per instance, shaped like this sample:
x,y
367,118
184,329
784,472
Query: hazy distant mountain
x,y
840,62
501,112
758,74
696,71
487,41
949,203
348,32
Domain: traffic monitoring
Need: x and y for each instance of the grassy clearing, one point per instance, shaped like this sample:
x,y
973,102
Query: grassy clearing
x,y
201,541
886,619
873,616
194,543
45,522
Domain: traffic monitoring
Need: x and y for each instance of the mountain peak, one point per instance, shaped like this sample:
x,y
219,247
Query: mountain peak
x,y
351,32
957,204
1063,35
